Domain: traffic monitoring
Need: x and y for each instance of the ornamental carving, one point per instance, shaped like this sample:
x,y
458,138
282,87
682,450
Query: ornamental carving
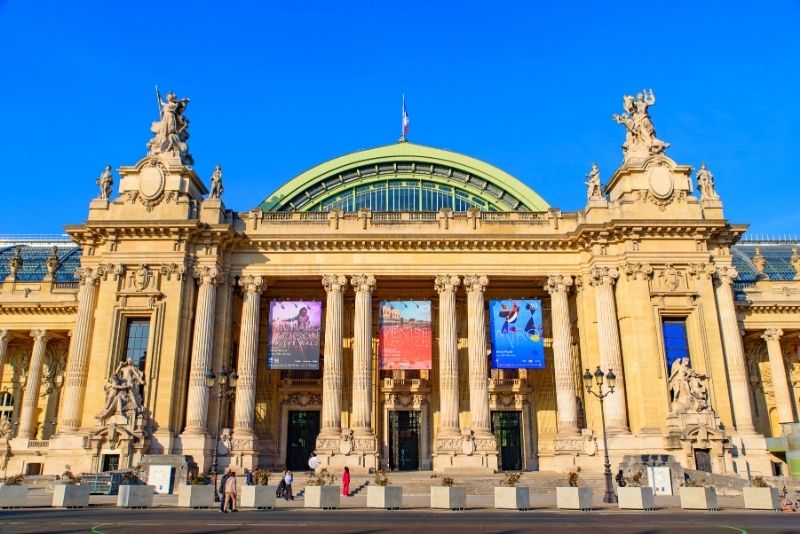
x,y
171,130
405,401
558,283
302,399
334,283
759,262
702,271
52,262
475,283
15,264
705,183
796,263
173,269
670,278
640,137
252,284
140,278
208,275
726,275
603,276
363,282
446,283
105,182
772,334
638,271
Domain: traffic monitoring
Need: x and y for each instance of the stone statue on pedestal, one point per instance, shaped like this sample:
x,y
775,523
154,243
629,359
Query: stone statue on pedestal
x,y
594,191
122,391
687,388
172,129
640,140
216,183
105,181
705,183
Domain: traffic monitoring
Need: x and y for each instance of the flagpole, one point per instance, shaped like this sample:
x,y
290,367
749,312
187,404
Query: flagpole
x,y
403,119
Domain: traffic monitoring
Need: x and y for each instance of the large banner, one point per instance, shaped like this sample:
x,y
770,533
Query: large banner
x,y
294,334
516,334
404,334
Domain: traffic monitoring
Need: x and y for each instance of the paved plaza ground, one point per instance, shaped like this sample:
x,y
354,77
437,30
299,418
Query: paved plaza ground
x,y
104,517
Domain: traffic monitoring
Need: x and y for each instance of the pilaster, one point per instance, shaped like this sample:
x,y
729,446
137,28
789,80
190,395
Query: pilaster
x,y
566,391
783,397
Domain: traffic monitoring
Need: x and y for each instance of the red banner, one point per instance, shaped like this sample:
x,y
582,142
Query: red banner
x,y
404,334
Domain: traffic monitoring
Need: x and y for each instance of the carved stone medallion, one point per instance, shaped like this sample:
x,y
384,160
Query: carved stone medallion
x,y
151,182
661,185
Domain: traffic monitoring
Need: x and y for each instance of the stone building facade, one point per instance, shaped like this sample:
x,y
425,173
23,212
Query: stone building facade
x,y
108,339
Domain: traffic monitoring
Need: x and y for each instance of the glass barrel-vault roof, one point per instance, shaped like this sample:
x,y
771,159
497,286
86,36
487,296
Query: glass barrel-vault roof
x,y
777,256
34,258
404,177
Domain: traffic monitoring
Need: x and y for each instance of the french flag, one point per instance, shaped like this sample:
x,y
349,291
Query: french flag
x,y
405,117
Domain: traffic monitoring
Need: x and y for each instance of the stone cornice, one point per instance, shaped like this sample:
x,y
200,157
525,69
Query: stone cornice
x,y
39,309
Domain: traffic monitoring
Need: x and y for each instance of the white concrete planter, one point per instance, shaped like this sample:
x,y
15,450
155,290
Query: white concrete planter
x,y
71,495
515,498
13,496
196,496
452,498
698,498
138,496
386,497
259,497
636,498
325,497
762,498
570,498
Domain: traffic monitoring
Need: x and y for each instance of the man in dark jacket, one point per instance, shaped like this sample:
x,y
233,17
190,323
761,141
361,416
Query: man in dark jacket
x,y
221,488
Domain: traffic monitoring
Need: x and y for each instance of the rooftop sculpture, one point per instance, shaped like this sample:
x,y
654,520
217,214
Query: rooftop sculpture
x,y
640,140
172,129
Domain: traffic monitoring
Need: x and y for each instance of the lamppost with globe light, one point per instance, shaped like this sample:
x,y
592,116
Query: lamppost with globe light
x,y
223,386
610,496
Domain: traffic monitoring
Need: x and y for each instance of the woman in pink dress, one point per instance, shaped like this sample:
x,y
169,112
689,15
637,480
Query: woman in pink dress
x,y
346,482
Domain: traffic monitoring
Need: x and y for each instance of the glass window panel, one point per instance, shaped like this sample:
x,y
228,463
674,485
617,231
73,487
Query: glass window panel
x,y
676,344
138,333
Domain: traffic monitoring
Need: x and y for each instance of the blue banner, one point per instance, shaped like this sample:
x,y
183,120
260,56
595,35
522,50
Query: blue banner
x,y
516,327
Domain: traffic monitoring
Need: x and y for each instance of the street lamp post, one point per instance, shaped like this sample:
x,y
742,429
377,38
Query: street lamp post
x,y
223,386
610,495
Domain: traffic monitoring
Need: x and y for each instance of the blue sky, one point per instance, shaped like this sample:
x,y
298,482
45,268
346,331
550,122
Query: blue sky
x,y
279,87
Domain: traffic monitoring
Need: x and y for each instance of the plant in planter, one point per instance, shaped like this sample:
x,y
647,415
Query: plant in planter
x,y
260,495
197,494
634,495
759,496
511,497
133,493
68,493
695,495
13,492
382,494
448,496
320,491
574,497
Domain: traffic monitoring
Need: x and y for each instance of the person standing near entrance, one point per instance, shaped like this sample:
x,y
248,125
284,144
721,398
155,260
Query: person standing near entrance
x,y
313,462
230,493
346,482
288,479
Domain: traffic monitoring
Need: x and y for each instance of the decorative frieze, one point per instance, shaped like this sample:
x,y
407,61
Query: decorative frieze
x,y
638,271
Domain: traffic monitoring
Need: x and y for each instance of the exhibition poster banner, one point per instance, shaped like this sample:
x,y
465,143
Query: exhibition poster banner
x,y
516,334
294,334
404,334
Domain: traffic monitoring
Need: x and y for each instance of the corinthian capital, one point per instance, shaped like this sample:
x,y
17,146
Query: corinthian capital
x,y
603,276
252,284
727,274
558,283
363,282
638,271
207,275
702,270
334,283
445,283
772,334
475,283
4,335
39,335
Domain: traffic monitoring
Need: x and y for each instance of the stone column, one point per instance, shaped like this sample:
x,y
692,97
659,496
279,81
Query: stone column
x,y
603,279
248,357
78,358
446,285
734,351
332,373
27,415
566,392
783,397
4,335
478,369
202,349
362,354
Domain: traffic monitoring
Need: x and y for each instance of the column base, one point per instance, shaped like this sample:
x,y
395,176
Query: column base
x,y
359,453
199,447
244,450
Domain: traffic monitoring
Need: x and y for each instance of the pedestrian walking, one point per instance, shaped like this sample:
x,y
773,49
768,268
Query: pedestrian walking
x,y
248,477
230,493
346,482
313,462
288,479
221,488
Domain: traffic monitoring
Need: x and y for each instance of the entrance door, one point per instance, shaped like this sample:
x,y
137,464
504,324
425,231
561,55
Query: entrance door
x,y
702,460
404,440
506,428
302,438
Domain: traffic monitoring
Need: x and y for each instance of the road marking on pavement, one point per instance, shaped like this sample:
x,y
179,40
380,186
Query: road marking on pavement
x,y
95,529
741,530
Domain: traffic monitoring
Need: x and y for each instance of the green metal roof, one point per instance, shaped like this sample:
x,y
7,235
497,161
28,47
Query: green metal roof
x,y
405,162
